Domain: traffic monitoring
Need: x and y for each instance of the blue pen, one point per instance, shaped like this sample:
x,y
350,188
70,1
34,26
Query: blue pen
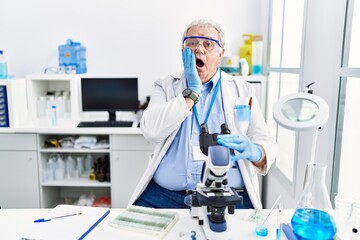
x,y
49,219
94,225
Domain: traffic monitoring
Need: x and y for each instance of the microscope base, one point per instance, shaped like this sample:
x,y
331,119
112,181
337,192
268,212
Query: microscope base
x,y
212,210
208,227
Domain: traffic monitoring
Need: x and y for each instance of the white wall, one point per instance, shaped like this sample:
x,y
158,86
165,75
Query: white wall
x,y
123,38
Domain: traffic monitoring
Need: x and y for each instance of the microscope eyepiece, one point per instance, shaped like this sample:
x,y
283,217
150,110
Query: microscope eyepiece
x,y
225,129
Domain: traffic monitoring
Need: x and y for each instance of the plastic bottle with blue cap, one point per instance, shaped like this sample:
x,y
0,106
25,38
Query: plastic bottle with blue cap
x,y
3,66
257,56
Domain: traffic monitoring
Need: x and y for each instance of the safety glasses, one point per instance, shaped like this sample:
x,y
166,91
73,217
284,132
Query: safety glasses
x,y
193,42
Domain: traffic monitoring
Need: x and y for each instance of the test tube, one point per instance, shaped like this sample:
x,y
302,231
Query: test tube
x,y
279,221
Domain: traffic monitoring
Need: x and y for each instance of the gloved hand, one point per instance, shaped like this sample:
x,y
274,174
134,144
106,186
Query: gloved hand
x,y
191,74
241,143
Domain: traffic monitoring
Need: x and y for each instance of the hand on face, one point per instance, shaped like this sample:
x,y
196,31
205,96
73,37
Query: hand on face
x,y
191,74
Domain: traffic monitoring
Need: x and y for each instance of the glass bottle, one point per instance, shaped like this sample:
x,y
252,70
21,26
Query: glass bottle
x,y
59,168
49,171
312,218
80,166
70,167
41,106
89,161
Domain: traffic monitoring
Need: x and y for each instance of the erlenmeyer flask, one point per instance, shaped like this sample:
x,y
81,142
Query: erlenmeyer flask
x,y
312,218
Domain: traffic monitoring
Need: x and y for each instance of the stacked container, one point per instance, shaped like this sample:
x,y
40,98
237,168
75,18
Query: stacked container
x,y
73,54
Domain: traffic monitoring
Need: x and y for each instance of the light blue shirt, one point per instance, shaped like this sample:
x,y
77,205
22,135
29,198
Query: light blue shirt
x,y
178,170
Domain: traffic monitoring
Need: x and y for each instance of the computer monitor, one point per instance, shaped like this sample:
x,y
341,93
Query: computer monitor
x,y
109,94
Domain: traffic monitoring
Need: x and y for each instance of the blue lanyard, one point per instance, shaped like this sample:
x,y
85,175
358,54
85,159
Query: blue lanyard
x,y
211,103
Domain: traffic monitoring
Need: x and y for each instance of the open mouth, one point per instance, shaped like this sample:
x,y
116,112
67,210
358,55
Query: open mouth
x,y
199,63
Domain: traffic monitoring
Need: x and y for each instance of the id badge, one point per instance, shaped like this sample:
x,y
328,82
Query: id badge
x,y
198,154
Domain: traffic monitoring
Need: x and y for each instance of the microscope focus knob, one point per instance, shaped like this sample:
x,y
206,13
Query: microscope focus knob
x,y
225,181
231,209
208,182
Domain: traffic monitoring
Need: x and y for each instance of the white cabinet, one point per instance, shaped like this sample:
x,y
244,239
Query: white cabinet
x,y
70,188
19,182
129,159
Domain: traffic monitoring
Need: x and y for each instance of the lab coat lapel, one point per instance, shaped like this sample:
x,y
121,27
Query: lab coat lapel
x,y
228,90
179,83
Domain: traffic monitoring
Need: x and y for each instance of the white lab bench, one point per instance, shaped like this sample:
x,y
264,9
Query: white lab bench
x,y
18,224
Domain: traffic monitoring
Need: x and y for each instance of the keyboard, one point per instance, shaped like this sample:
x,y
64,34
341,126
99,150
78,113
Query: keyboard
x,y
106,124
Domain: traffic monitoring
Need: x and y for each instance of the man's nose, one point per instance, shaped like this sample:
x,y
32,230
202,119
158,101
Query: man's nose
x,y
199,48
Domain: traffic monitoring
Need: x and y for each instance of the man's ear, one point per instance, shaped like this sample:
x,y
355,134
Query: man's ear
x,y
221,52
221,55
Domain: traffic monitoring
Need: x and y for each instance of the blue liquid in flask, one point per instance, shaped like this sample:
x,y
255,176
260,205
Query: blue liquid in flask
x,y
313,224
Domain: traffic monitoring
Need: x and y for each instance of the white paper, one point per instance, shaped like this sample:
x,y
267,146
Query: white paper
x,y
72,227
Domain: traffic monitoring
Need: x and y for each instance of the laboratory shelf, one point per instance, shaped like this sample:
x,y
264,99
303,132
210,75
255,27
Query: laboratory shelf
x,y
56,190
75,183
73,150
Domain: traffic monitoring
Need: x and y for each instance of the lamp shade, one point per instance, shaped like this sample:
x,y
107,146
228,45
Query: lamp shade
x,y
301,111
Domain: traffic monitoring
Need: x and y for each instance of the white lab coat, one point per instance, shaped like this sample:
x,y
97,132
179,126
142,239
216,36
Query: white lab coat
x,y
167,110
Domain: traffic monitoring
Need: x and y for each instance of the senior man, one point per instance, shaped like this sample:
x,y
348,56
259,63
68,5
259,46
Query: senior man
x,y
181,102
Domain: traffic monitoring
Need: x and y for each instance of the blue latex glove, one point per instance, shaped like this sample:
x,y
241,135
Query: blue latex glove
x,y
191,74
241,143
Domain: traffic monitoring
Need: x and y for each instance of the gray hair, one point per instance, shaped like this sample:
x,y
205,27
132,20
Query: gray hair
x,y
207,23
